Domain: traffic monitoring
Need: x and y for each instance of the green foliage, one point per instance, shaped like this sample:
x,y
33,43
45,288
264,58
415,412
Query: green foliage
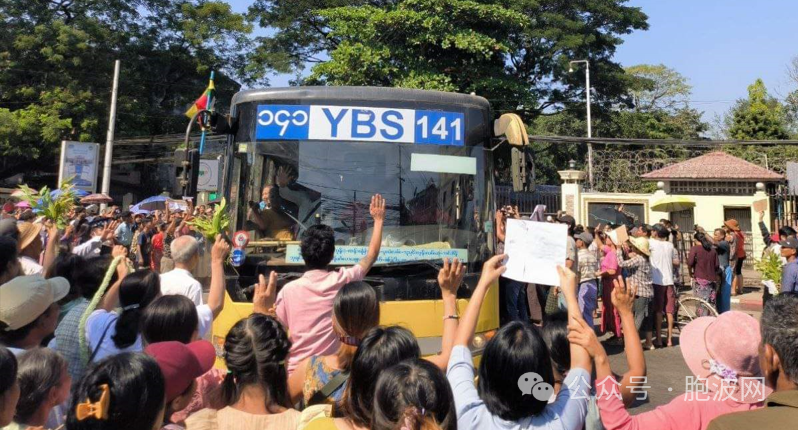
x,y
218,224
657,87
760,117
769,267
54,209
515,53
57,63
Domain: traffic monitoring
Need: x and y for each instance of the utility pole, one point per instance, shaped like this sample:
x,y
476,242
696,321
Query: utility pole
x,y
109,138
589,124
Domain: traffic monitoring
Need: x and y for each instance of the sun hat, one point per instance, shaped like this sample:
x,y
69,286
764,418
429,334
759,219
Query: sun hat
x,y
641,244
732,224
28,231
181,364
724,351
25,298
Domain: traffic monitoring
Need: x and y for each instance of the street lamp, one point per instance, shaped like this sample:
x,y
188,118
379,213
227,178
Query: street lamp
x,y
589,127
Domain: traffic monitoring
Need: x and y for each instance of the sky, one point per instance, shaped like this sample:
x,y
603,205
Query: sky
x,y
721,46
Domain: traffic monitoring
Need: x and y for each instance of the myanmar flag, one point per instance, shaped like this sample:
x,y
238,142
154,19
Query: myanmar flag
x,y
204,102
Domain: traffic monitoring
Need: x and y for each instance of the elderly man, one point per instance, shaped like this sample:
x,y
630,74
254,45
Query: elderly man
x,y
179,281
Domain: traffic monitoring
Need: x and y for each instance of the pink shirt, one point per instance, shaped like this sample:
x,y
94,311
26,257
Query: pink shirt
x,y
305,307
682,413
610,260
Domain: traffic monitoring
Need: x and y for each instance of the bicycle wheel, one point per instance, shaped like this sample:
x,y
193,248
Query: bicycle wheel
x,y
690,308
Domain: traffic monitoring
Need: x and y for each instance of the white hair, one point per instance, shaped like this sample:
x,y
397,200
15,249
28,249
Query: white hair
x,y
184,248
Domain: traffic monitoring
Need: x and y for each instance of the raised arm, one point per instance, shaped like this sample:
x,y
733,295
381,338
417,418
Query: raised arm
x,y
111,297
500,226
450,277
764,229
377,210
51,249
623,299
491,271
580,358
218,257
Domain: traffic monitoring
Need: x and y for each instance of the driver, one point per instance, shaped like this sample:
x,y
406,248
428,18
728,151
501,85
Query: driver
x,y
270,222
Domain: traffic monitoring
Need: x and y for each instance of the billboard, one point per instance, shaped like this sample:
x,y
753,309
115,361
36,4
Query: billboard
x,y
80,161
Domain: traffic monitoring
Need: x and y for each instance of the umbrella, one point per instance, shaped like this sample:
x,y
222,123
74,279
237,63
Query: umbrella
x,y
608,215
78,192
23,205
150,204
96,198
673,204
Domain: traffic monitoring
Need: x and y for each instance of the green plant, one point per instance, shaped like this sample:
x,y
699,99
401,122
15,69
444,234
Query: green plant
x,y
770,267
55,209
215,225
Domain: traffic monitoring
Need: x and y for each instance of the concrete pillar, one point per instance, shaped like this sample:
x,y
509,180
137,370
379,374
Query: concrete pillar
x,y
572,192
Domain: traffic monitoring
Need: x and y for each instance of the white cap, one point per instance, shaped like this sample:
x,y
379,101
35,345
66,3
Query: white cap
x,y
25,298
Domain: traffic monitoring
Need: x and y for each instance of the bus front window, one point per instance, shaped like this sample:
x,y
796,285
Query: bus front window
x,y
310,182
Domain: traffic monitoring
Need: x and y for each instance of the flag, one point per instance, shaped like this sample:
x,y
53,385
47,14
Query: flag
x,y
204,102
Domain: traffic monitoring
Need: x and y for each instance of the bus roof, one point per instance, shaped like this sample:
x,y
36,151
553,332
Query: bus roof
x,y
325,94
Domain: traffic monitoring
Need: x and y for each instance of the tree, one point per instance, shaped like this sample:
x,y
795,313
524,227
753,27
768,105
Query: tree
x,y
515,53
57,61
760,117
658,88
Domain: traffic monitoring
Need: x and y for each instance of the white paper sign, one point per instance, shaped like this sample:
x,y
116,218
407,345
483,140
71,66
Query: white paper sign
x,y
534,250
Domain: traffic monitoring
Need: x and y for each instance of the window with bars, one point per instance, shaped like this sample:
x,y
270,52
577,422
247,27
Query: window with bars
x,y
713,188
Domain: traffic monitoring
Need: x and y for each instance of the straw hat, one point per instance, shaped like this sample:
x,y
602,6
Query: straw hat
x,y
25,298
727,362
732,224
28,232
641,244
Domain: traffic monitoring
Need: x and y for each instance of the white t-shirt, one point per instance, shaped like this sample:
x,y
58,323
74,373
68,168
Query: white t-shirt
x,y
100,319
179,282
662,255
31,266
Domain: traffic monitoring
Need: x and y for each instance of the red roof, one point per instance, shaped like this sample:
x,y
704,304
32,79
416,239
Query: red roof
x,y
714,166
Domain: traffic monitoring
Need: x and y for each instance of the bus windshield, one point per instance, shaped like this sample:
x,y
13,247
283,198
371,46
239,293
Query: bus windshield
x,y
436,196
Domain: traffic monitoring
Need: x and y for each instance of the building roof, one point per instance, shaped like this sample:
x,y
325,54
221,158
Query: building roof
x,y
714,166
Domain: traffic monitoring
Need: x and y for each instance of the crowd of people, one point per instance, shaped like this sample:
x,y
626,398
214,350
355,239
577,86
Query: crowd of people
x,y
103,325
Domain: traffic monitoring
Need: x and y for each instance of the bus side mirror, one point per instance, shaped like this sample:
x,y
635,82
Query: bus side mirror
x,y
221,124
522,168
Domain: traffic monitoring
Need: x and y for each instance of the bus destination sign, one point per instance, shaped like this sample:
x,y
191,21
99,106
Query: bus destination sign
x,y
357,123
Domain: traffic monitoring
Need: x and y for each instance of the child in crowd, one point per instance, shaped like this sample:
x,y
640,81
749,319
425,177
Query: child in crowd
x,y
9,387
413,395
356,311
181,365
305,305
43,384
255,389
122,392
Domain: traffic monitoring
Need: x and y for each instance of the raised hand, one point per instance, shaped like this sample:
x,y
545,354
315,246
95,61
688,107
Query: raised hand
x,y
109,230
623,297
582,334
567,280
283,176
493,269
265,294
220,249
450,277
377,208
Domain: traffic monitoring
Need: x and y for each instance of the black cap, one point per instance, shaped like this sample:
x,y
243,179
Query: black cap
x,y
790,242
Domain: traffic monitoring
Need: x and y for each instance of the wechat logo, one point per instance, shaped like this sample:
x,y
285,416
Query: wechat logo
x,y
532,383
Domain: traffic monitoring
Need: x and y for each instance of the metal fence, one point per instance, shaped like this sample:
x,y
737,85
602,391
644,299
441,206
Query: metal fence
x,y
548,195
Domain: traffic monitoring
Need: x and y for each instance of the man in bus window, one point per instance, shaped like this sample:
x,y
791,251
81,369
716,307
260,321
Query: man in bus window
x,y
266,216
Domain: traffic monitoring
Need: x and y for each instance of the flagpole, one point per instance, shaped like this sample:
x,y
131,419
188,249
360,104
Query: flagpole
x,y
210,107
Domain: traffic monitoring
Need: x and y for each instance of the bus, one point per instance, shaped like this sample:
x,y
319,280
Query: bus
x,y
322,152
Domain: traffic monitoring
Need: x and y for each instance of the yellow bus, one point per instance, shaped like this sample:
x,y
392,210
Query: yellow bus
x,y
428,153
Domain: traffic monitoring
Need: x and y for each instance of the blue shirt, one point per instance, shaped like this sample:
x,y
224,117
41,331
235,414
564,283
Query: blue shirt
x,y
789,277
124,234
567,412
